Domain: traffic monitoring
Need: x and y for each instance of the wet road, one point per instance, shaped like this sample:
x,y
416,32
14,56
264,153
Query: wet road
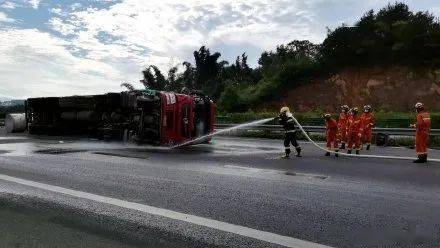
x,y
340,202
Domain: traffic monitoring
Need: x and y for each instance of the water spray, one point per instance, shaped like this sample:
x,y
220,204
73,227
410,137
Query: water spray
x,y
203,138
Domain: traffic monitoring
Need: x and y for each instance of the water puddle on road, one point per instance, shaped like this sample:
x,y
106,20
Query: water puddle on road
x,y
56,151
292,173
17,149
14,138
260,171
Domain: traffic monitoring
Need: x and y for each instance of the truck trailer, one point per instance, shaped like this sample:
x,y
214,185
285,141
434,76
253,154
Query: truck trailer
x,y
141,116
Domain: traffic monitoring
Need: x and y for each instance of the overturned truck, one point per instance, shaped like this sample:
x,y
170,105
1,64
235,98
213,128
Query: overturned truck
x,y
142,116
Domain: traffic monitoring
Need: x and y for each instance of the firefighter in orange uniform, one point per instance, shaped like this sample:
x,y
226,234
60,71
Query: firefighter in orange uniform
x,y
422,133
331,126
367,123
342,125
354,131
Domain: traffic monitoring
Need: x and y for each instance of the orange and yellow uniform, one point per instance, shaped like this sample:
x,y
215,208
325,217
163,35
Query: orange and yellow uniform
x,y
423,126
342,127
354,132
367,123
331,126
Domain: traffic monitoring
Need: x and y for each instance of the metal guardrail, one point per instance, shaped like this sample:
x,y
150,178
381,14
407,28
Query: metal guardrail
x,y
321,129
392,122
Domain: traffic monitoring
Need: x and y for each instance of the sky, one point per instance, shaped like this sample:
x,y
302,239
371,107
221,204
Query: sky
x,y
57,47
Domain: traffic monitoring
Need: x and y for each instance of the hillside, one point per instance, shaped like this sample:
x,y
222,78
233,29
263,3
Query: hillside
x,y
394,88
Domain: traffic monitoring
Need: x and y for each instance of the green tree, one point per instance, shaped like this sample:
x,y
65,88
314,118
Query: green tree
x,y
207,72
231,100
173,84
153,78
187,78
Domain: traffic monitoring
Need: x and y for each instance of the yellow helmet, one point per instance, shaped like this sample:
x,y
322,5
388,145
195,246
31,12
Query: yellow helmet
x,y
284,110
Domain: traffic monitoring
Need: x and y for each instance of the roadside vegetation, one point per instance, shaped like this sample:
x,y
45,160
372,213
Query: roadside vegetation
x,y
392,36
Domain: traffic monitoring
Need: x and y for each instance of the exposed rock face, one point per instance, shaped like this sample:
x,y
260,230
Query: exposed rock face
x,y
394,88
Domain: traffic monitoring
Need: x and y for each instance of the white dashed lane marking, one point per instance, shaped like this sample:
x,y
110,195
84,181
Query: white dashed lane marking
x,y
201,221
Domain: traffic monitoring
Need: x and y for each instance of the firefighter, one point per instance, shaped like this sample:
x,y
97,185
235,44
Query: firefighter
x,y
286,120
331,126
422,133
367,123
342,125
354,131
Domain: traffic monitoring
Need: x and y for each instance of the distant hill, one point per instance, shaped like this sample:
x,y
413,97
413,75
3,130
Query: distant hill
x,y
11,103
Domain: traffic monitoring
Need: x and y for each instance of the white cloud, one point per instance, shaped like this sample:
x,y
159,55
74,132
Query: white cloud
x,y
57,11
5,18
34,63
75,6
436,12
173,29
62,27
8,5
34,3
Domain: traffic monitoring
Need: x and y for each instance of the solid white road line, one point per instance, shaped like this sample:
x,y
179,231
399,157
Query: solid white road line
x,y
218,225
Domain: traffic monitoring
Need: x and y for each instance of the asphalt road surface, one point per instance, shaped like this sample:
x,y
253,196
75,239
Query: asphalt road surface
x,y
234,192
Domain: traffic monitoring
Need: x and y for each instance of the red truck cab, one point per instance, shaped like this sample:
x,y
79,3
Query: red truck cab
x,y
177,118
185,117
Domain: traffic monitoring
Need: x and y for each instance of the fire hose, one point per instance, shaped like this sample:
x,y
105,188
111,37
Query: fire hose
x,y
354,155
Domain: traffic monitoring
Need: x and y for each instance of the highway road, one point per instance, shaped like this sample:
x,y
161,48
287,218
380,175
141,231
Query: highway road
x,y
234,192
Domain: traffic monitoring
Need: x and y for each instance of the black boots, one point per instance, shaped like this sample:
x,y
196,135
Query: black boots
x,y
298,151
349,152
287,150
342,146
336,153
422,158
